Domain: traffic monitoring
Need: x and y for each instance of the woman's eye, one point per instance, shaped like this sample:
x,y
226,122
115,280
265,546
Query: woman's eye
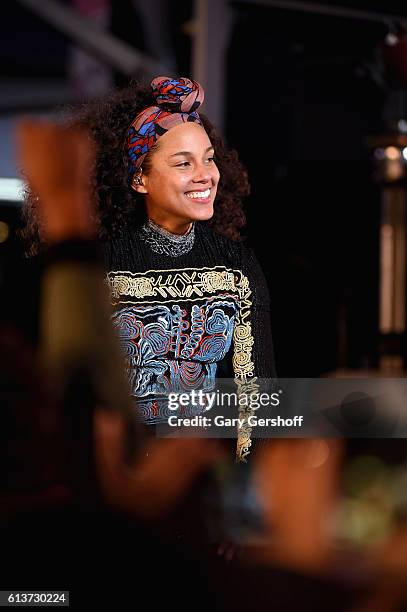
x,y
187,163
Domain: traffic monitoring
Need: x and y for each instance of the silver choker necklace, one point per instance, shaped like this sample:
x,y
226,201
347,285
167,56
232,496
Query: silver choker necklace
x,y
164,242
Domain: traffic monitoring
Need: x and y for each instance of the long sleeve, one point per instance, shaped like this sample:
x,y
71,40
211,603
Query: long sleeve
x,y
253,355
260,317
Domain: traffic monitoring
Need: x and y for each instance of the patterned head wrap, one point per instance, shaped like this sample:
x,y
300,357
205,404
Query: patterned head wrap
x,y
176,101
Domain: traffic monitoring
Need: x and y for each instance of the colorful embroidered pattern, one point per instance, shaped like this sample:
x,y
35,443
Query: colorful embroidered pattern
x,y
175,326
174,349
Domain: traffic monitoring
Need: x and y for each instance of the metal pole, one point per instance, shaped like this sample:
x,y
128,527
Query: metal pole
x,y
212,27
114,52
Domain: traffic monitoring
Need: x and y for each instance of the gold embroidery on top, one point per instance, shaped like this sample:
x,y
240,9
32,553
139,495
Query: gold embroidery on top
x,y
134,287
215,281
181,285
243,366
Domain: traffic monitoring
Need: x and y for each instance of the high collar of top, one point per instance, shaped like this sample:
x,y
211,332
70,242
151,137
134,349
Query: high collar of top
x,y
164,242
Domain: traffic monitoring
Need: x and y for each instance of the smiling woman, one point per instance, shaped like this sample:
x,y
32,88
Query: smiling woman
x,y
190,302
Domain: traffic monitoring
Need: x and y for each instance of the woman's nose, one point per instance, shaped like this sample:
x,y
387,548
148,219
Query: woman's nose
x,y
202,175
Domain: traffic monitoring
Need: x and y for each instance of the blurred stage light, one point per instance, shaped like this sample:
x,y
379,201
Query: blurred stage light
x,y
11,189
392,153
391,39
4,231
402,125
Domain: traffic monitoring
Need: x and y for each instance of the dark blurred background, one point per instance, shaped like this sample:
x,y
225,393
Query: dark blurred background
x,y
316,106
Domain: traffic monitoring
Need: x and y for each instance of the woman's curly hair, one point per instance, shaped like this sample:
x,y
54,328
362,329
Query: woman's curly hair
x,y
107,120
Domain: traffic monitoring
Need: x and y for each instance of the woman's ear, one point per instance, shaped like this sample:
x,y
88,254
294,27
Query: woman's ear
x,y
138,183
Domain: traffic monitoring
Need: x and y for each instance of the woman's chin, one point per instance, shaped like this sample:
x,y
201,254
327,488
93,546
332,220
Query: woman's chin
x,y
203,213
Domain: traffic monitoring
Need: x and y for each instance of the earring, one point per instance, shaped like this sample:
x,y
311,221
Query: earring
x,y
137,177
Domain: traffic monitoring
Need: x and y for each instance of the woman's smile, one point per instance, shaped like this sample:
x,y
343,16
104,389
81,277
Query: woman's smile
x,y
201,197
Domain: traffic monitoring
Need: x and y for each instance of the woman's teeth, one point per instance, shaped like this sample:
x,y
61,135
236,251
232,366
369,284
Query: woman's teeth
x,y
201,195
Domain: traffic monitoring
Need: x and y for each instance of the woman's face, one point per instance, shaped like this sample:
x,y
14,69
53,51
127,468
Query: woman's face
x,y
181,184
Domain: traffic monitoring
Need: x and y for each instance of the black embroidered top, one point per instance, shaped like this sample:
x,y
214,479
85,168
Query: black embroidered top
x,y
188,319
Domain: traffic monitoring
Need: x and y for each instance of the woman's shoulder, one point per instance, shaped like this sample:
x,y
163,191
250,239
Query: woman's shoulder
x,y
241,249
119,248
219,240
240,256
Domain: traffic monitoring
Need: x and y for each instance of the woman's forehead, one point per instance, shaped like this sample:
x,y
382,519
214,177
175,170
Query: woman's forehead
x,y
190,137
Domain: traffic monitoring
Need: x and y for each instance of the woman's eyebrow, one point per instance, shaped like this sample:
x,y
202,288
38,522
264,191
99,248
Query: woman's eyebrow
x,y
189,153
